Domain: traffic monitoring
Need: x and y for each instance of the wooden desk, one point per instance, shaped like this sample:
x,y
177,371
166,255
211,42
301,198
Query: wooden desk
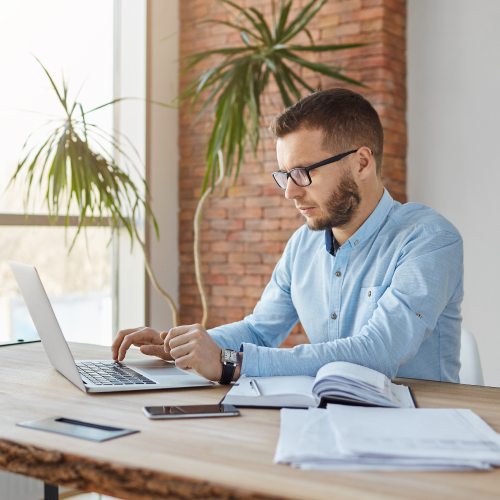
x,y
228,458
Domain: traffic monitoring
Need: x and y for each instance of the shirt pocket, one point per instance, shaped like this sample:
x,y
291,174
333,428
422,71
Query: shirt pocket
x,y
372,294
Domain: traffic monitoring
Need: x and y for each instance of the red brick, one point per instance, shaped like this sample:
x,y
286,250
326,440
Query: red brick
x,y
227,246
254,291
229,291
227,202
232,268
213,257
279,212
263,201
245,258
262,224
249,280
227,224
264,269
245,213
283,235
244,236
214,213
242,301
215,279
237,191
245,228
268,246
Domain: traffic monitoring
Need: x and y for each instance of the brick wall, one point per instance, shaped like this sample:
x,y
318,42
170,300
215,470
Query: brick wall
x,y
245,228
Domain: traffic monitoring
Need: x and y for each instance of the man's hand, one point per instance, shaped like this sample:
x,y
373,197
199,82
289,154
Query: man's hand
x,y
192,347
148,339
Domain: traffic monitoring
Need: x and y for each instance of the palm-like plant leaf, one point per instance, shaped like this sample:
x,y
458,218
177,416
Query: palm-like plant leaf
x,y
73,173
237,83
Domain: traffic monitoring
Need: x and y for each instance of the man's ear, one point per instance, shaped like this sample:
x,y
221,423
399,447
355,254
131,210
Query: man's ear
x,y
366,162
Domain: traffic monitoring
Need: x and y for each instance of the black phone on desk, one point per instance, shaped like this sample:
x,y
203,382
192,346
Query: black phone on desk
x,y
190,411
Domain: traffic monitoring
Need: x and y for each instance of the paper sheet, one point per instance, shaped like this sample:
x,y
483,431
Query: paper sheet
x,y
308,440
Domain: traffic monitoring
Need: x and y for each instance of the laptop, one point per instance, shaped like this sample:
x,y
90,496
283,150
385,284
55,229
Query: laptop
x,y
92,375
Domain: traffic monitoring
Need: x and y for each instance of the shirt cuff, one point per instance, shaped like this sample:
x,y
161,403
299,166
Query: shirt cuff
x,y
255,360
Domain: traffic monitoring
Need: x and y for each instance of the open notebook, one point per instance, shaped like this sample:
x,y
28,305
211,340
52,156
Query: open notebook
x,y
338,382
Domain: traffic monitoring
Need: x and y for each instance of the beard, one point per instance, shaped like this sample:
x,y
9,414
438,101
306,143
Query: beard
x,y
341,206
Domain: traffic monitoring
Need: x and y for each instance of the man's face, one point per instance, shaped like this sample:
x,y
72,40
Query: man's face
x,y
332,199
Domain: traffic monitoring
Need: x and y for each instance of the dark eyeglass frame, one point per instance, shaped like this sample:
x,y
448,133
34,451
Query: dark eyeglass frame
x,y
288,174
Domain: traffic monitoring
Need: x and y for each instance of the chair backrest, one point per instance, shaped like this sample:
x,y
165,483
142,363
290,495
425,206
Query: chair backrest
x,y
471,372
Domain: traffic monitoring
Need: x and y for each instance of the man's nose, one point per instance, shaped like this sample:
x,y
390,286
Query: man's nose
x,y
293,191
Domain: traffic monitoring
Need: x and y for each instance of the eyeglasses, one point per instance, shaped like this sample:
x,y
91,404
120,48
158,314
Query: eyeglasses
x,y
300,175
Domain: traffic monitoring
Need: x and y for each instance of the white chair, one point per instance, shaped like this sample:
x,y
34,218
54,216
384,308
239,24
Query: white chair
x,y
471,372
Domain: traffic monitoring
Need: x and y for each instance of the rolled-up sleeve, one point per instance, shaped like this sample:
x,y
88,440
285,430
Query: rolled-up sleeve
x,y
427,277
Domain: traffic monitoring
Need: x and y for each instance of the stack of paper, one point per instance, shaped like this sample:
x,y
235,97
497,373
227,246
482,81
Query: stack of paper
x,y
355,438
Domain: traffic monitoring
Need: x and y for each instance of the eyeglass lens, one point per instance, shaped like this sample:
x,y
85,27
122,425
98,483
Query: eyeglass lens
x,y
299,176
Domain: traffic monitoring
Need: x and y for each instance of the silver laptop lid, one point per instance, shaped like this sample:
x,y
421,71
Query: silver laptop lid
x,y
45,321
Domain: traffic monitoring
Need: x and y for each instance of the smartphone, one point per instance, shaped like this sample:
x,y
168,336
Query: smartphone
x,y
191,411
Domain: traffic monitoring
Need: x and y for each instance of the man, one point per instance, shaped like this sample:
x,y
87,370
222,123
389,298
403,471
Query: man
x,y
372,281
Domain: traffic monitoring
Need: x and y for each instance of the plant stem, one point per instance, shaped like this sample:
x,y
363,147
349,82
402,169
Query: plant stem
x,y
196,246
152,277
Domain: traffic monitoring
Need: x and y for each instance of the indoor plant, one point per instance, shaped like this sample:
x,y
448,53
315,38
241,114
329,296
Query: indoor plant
x,y
72,163
237,84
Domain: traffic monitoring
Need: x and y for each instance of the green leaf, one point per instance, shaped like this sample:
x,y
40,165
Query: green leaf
x,y
263,30
299,18
319,48
292,74
321,68
282,19
73,172
301,21
287,101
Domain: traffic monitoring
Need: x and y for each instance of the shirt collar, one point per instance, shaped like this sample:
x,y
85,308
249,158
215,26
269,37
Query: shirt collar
x,y
374,221
330,242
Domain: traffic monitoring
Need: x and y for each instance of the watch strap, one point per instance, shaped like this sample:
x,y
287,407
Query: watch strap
x,y
227,373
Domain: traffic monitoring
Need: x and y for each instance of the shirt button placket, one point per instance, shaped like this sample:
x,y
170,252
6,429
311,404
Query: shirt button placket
x,y
342,258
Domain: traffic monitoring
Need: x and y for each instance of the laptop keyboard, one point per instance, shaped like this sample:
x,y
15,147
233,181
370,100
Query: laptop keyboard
x,y
111,374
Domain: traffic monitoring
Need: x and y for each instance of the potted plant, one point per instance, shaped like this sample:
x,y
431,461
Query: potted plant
x,y
72,162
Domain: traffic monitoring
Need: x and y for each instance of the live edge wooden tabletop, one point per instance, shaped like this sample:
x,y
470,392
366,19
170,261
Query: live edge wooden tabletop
x,y
223,458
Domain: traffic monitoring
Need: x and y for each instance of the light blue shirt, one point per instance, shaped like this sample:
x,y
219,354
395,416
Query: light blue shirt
x,y
389,299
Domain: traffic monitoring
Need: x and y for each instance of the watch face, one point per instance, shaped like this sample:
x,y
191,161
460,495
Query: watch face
x,y
230,356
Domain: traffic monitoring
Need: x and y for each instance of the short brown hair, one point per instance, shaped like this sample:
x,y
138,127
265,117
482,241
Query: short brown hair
x,y
348,120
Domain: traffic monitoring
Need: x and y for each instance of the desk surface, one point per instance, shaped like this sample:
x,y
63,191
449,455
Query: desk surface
x,y
224,458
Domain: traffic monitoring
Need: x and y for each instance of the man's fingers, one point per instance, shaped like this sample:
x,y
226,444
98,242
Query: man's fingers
x,y
144,336
126,343
183,363
182,350
156,350
178,330
179,340
119,338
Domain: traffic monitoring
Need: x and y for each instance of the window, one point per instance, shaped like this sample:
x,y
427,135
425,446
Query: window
x,y
75,38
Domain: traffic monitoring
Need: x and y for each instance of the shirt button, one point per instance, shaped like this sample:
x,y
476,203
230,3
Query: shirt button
x,y
333,316
369,293
356,242
338,273
419,315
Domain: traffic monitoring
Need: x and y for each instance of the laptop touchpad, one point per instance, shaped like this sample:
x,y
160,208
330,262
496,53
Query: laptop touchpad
x,y
155,368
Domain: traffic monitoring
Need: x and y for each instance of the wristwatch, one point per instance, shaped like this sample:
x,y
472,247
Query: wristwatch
x,y
229,361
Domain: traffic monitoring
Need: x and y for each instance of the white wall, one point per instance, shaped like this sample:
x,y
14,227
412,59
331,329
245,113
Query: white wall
x,y
130,120
454,130
163,156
